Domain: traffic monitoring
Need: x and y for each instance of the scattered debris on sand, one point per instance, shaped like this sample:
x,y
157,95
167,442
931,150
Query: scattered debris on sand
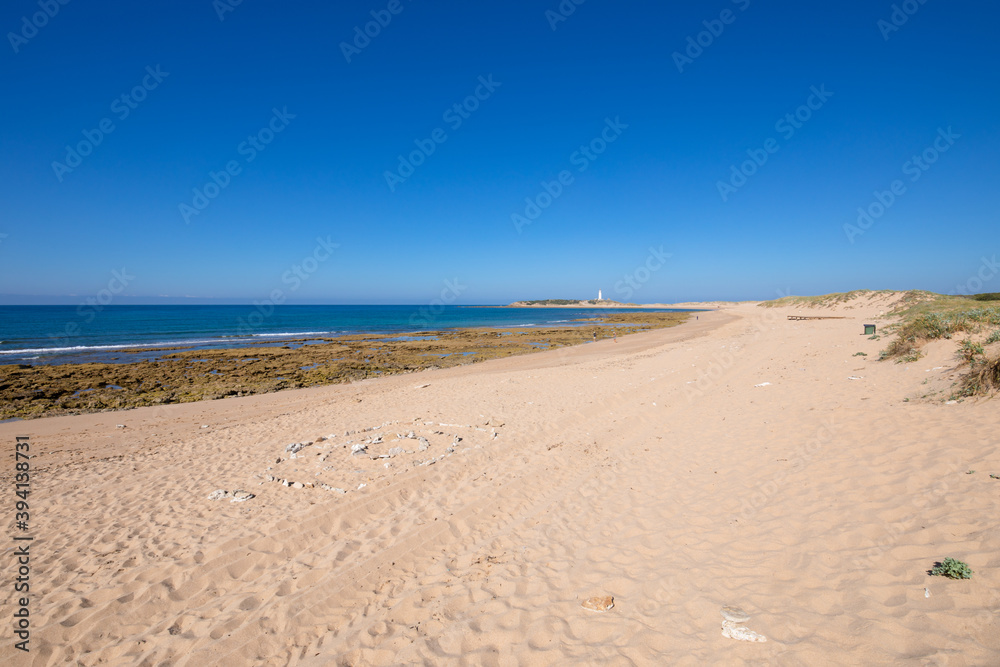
x,y
237,496
733,618
599,603
322,463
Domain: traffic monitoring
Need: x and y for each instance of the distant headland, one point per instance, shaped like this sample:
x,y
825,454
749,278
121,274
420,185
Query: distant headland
x,y
572,303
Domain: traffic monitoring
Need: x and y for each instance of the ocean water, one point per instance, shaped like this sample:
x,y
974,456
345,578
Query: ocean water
x,y
72,334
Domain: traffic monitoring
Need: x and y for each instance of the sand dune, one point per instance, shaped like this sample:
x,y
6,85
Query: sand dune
x,y
654,470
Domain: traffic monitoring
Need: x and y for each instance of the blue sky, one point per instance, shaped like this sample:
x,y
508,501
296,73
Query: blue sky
x,y
331,121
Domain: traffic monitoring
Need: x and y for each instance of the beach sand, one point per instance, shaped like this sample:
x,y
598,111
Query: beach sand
x,y
653,470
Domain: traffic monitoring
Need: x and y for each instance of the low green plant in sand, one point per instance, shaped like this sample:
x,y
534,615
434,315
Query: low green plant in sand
x,y
912,333
970,350
952,568
943,319
860,354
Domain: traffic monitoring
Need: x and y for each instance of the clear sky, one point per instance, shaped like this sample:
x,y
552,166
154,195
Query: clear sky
x,y
674,151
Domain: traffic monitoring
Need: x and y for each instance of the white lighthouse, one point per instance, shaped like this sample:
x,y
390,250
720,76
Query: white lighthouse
x,y
599,297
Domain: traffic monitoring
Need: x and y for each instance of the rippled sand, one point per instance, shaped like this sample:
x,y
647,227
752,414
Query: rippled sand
x,y
653,470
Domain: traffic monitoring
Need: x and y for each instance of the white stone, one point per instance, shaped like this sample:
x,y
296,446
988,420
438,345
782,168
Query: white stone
x,y
741,633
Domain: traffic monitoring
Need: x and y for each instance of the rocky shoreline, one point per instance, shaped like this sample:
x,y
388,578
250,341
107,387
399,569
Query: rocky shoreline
x,y
29,391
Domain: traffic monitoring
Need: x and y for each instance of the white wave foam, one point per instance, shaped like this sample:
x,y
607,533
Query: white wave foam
x,y
166,343
293,333
129,346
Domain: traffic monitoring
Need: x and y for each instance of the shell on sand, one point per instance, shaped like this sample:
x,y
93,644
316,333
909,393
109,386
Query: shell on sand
x,y
735,614
599,603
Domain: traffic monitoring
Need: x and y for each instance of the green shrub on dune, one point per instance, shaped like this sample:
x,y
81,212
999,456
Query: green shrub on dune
x,y
952,568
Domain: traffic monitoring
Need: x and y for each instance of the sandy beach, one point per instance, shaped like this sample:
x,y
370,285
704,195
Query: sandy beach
x,y
740,459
